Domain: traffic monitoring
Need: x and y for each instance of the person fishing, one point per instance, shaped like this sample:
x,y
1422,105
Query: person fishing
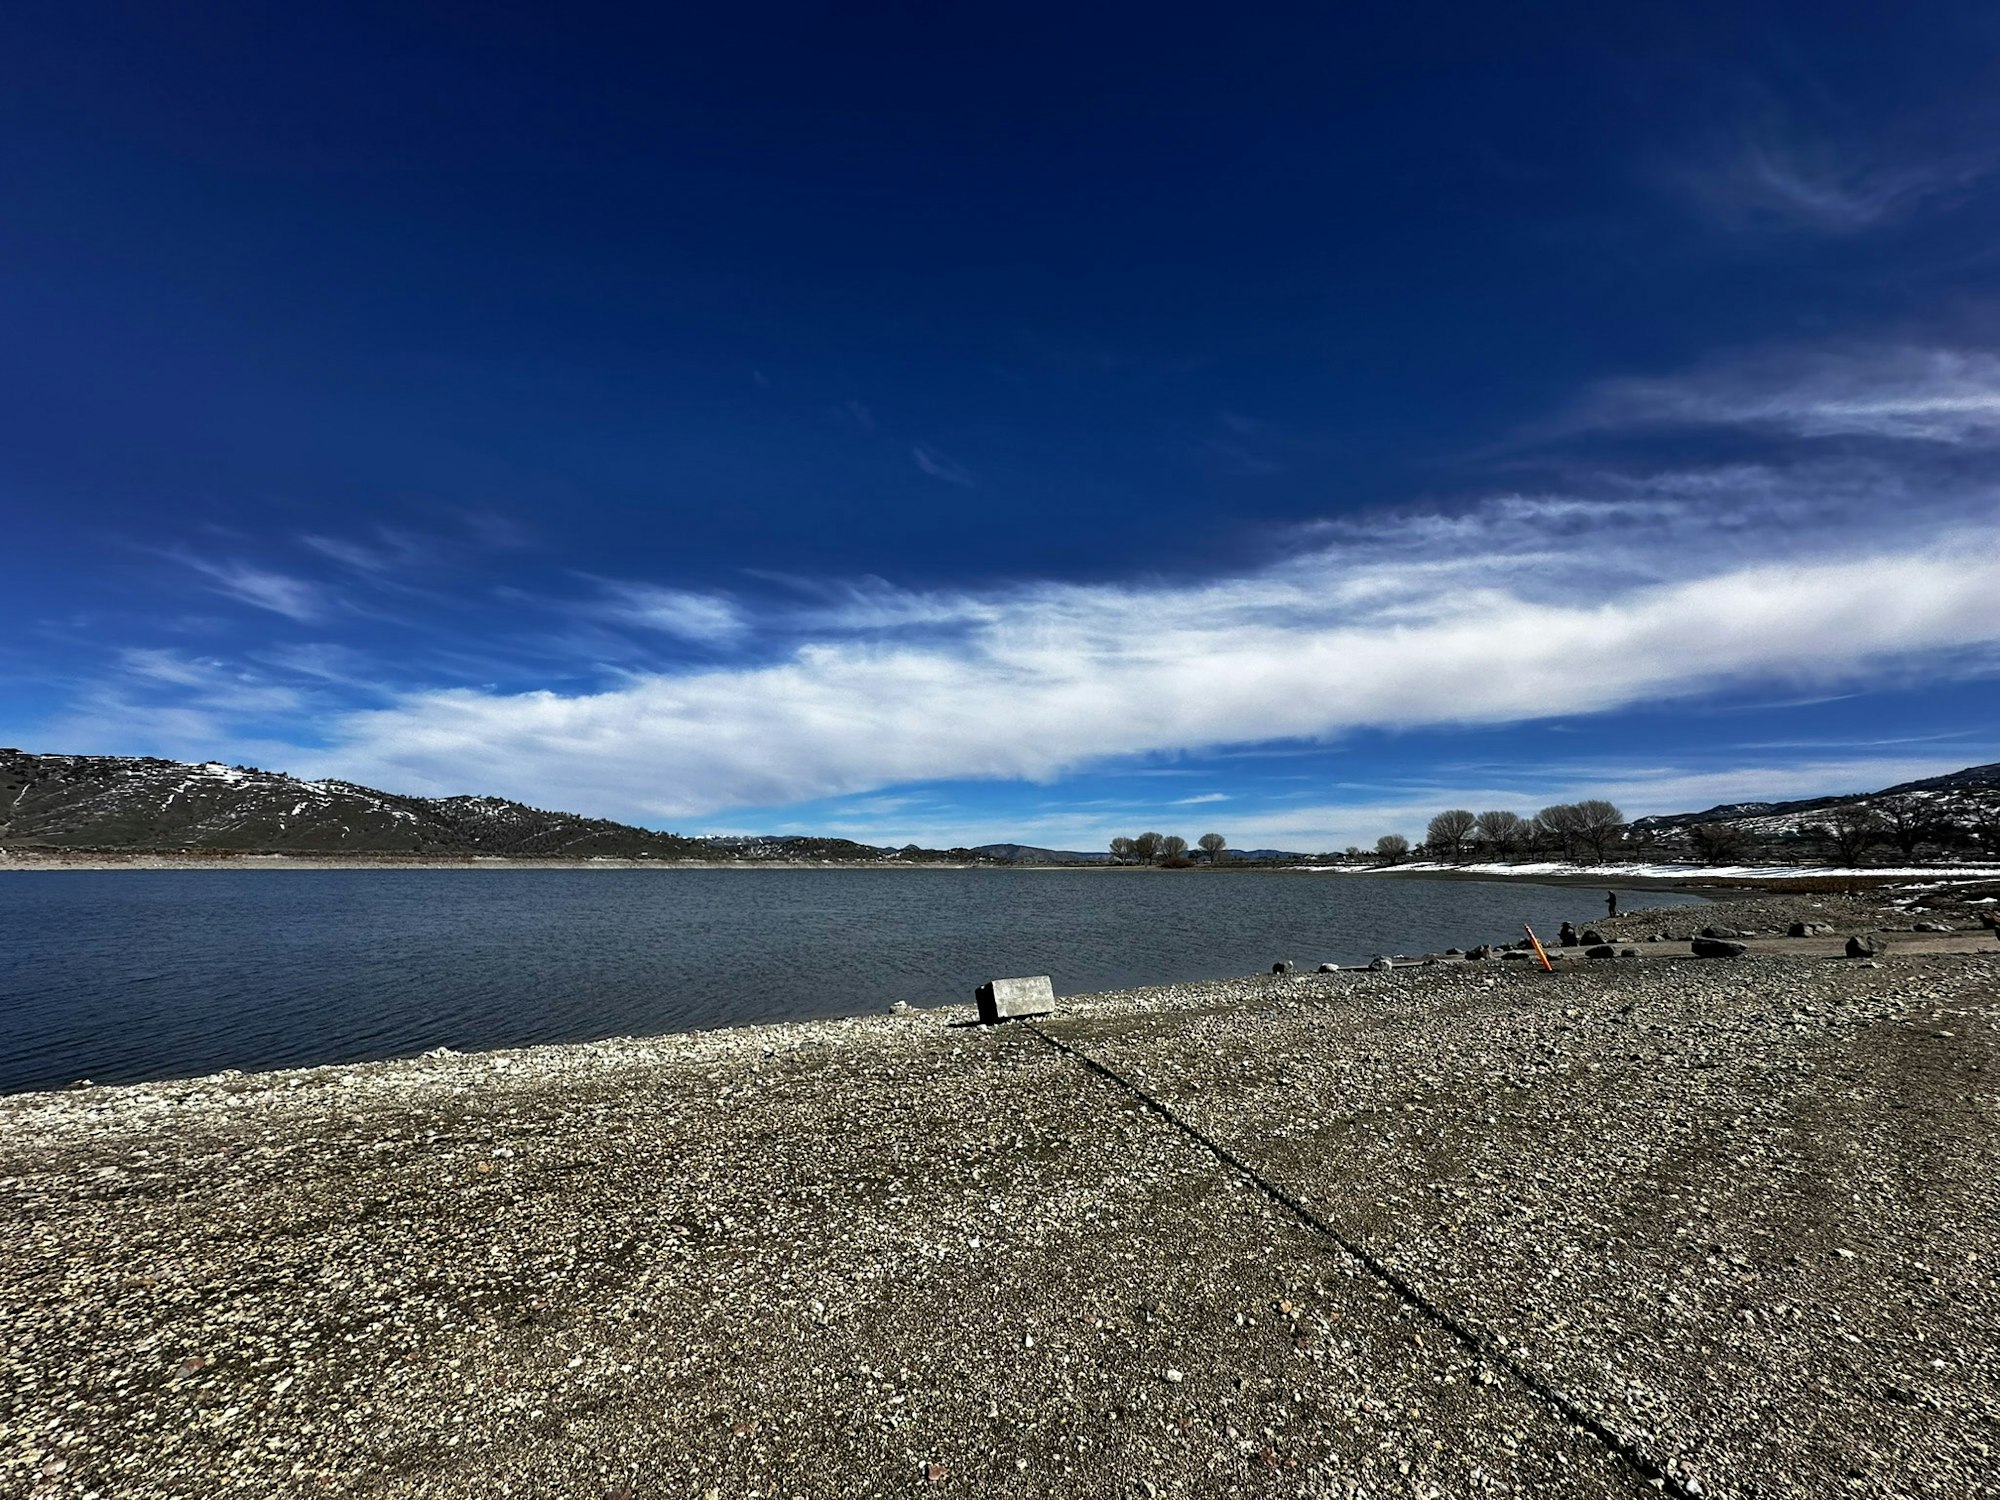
x,y
1610,903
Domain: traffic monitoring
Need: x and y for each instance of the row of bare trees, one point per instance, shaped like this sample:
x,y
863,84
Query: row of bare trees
x,y
1168,849
1566,828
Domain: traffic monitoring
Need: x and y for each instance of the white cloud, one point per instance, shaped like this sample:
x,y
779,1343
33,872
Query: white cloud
x,y
708,619
1039,681
295,598
1921,394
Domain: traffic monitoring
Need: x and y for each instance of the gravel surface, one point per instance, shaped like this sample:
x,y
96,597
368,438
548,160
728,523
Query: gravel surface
x,y
1738,1212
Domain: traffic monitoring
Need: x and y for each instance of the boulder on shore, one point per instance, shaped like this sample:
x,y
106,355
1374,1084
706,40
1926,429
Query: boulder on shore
x,y
1722,932
1808,929
1867,945
1591,937
1708,947
1602,950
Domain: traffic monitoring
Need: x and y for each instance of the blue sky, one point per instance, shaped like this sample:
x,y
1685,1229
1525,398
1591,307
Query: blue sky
x,y
951,424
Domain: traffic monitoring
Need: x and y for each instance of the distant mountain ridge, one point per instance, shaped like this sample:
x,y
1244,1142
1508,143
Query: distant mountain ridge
x,y
112,802
1972,780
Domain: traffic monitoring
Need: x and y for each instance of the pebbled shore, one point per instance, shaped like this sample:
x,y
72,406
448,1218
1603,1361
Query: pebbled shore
x,y
1739,1212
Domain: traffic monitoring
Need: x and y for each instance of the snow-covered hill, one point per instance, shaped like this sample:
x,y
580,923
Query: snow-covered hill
x,y
1939,814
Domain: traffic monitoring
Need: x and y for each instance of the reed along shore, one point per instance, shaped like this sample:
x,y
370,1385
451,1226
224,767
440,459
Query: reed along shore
x,y
1718,1227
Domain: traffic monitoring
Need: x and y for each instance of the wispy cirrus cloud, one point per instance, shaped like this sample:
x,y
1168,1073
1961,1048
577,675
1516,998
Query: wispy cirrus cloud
x,y
706,618
938,466
390,551
1780,171
1904,392
260,587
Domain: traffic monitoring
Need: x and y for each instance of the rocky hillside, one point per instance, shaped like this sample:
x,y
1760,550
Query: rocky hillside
x,y
114,802
108,802
1957,814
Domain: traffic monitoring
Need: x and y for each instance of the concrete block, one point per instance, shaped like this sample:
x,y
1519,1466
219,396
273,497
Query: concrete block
x,y
1005,999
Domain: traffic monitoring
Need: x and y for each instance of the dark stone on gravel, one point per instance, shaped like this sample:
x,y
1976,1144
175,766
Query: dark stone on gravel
x,y
1867,945
1808,929
1708,947
1590,937
1483,951
1284,966
1329,968
1723,932
1380,963
1602,950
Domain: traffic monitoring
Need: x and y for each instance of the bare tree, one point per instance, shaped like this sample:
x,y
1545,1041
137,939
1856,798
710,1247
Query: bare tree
x,y
1982,824
1596,822
1123,849
1503,832
1173,850
1560,826
1449,830
1849,832
1392,847
1717,843
1215,846
1146,847
1907,821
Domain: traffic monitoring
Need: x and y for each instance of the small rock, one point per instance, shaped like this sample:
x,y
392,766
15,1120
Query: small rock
x,y
1175,1377
1329,968
1722,932
1628,952
1867,945
1602,950
1932,927
1708,947
1808,929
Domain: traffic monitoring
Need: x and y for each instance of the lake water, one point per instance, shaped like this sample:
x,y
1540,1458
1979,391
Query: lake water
x,y
120,976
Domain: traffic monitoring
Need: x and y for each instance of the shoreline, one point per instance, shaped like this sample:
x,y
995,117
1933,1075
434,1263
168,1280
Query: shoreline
x,y
891,1253
1640,877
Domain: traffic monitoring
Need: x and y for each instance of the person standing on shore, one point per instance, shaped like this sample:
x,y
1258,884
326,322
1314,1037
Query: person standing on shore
x,y
1610,903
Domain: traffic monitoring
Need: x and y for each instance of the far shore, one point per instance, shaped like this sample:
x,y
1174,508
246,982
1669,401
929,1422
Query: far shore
x,y
1641,876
